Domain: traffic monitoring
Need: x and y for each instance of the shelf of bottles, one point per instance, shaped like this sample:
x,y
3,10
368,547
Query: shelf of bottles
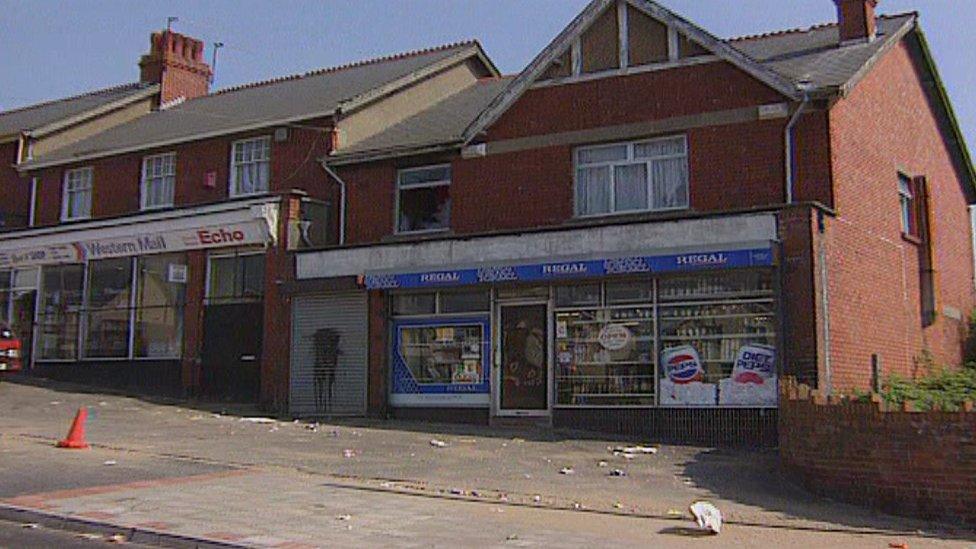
x,y
718,338
605,356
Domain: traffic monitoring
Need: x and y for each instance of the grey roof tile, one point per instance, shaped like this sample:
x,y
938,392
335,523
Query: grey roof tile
x,y
312,94
815,54
441,123
32,117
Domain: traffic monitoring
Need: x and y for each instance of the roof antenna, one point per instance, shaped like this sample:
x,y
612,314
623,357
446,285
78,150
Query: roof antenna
x,y
169,22
213,65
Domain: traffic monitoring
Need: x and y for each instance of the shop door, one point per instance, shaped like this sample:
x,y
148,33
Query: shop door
x,y
22,322
232,351
523,387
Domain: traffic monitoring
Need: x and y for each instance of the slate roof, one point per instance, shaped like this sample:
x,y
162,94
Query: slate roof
x,y
441,124
292,98
816,55
36,116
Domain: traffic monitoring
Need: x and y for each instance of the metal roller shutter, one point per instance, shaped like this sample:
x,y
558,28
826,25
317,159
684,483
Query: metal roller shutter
x,y
328,355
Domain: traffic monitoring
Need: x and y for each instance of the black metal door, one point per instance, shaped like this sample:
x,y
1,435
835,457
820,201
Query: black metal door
x,y
232,351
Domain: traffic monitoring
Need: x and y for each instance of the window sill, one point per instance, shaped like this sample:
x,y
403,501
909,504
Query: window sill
x,y
912,239
431,234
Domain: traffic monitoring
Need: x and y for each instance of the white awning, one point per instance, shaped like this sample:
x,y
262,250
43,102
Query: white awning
x,y
239,223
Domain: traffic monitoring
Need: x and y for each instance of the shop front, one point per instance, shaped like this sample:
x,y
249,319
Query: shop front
x,y
622,336
114,303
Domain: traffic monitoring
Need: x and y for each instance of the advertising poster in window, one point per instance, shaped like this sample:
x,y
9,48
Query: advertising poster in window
x,y
752,383
441,362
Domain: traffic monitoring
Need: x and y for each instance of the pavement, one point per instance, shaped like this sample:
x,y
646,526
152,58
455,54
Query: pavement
x,y
171,472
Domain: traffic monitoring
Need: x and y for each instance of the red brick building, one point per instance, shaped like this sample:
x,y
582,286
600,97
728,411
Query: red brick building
x,y
640,232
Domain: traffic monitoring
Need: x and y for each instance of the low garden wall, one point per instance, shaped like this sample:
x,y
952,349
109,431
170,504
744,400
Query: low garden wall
x,y
901,461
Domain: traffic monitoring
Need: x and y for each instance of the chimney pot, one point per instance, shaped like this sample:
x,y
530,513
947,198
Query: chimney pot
x,y
175,62
856,20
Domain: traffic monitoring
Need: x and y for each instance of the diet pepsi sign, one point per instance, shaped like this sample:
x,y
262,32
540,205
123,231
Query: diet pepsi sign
x,y
682,364
754,364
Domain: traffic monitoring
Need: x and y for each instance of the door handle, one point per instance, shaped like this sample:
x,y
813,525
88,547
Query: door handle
x,y
248,358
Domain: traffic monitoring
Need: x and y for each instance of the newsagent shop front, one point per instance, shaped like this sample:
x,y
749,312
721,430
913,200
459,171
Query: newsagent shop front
x,y
134,302
642,339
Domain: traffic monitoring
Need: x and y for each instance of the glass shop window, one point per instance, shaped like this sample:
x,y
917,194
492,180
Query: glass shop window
x,y
443,354
236,278
424,199
578,295
160,296
109,306
59,312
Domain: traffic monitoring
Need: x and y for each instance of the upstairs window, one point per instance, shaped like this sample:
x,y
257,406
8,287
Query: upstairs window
x,y
424,199
906,198
632,177
250,169
77,197
158,180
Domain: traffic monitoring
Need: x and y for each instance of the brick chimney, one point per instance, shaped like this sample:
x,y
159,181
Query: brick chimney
x,y
175,62
856,19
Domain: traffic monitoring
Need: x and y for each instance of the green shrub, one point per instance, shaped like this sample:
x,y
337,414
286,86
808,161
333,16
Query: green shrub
x,y
945,389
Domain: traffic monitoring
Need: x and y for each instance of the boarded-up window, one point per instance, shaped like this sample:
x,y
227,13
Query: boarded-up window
x,y
688,48
559,68
647,38
599,44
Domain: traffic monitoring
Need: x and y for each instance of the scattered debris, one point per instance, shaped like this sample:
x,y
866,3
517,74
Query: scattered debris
x,y
475,493
577,506
502,497
618,473
567,471
386,485
314,427
349,453
437,443
628,452
110,462
511,537
537,498
103,403
618,505
898,545
675,513
117,538
707,516
31,525
257,419
55,402
92,537
602,464
344,517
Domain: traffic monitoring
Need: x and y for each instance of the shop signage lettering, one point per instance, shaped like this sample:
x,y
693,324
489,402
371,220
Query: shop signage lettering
x,y
254,232
760,257
220,236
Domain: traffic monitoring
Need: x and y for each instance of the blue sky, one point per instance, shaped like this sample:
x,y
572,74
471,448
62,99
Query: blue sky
x,y
52,49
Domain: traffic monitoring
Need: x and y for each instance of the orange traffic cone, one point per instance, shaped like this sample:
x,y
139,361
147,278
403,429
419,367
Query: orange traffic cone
x,y
76,435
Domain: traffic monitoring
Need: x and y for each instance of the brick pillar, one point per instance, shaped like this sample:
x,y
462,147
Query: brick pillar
x,y
378,351
193,321
275,349
797,230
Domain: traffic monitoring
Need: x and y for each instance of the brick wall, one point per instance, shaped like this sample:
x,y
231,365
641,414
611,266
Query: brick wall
x,y
14,189
884,126
117,179
919,464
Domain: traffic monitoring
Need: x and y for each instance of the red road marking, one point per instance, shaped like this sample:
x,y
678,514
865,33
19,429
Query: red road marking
x,y
224,536
155,525
97,515
38,500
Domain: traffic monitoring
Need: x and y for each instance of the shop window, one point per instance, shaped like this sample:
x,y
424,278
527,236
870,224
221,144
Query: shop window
x,y
76,199
158,180
465,302
424,199
632,177
414,304
717,340
160,296
629,292
906,199
578,295
109,306
445,354
236,278
250,170
59,311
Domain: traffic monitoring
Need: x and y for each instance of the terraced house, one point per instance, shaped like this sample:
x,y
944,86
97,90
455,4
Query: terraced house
x,y
640,232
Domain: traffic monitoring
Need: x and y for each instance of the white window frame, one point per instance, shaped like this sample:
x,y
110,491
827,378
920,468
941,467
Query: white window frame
x,y
147,179
232,185
411,186
65,199
629,161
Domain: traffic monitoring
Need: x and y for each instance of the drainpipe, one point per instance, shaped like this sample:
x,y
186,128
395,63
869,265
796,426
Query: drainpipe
x,y
788,141
342,200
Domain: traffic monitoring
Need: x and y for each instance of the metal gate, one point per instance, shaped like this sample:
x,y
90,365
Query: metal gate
x,y
329,355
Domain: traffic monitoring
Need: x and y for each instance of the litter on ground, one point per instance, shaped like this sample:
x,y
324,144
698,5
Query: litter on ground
x,y
437,443
707,516
257,420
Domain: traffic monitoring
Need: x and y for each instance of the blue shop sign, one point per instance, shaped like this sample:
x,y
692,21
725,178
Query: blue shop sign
x,y
757,257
